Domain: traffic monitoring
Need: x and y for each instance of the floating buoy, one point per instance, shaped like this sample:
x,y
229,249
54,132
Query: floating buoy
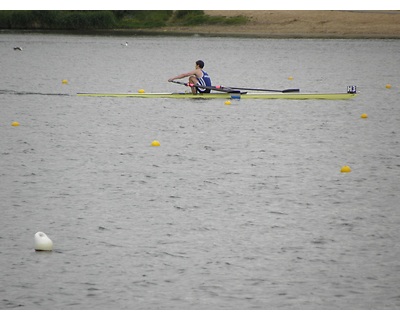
x,y
141,91
15,124
227,102
364,116
345,169
64,81
388,86
290,78
155,143
43,242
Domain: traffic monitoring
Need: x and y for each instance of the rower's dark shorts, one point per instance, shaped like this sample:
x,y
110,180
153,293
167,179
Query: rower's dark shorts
x,y
199,90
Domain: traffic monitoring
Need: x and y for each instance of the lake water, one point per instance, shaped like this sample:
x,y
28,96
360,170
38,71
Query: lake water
x,y
240,207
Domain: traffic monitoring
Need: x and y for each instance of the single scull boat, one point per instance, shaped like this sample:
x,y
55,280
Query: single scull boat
x,y
233,93
242,95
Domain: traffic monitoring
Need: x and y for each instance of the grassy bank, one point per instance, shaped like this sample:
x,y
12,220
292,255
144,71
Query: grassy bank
x,y
119,19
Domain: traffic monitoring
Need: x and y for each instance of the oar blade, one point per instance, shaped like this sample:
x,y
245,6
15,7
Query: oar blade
x,y
290,90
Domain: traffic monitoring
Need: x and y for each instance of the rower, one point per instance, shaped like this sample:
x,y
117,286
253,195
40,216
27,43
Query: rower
x,y
199,80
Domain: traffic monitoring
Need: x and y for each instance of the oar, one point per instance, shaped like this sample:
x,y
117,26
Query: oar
x,y
216,88
256,89
234,89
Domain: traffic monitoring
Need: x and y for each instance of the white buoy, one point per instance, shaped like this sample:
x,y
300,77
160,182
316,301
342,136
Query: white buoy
x,y
43,242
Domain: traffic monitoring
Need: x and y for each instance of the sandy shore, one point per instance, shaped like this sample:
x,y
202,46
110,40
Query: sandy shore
x,y
304,23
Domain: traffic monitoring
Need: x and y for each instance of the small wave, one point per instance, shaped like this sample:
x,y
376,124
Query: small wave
x,y
24,93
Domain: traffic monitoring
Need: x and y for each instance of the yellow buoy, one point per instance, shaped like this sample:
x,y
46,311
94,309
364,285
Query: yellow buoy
x,y
227,102
155,143
290,78
141,91
345,169
15,124
364,116
388,86
64,81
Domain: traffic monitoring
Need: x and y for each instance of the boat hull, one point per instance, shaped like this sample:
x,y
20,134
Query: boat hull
x,y
289,96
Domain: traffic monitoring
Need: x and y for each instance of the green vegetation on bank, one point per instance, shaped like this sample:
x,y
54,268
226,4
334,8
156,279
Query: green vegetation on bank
x,y
119,19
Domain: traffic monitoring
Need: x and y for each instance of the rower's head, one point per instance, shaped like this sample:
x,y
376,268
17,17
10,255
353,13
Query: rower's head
x,y
200,63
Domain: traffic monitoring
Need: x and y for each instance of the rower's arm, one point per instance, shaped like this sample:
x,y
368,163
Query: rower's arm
x,y
184,75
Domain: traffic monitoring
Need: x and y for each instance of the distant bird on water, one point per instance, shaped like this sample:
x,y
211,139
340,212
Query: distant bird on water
x,y
18,48
124,44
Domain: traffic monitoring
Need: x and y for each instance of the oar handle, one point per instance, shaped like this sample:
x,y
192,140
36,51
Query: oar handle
x,y
179,82
216,88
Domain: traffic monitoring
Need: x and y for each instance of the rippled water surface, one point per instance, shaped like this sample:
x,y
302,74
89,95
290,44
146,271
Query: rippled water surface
x,y
240,207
